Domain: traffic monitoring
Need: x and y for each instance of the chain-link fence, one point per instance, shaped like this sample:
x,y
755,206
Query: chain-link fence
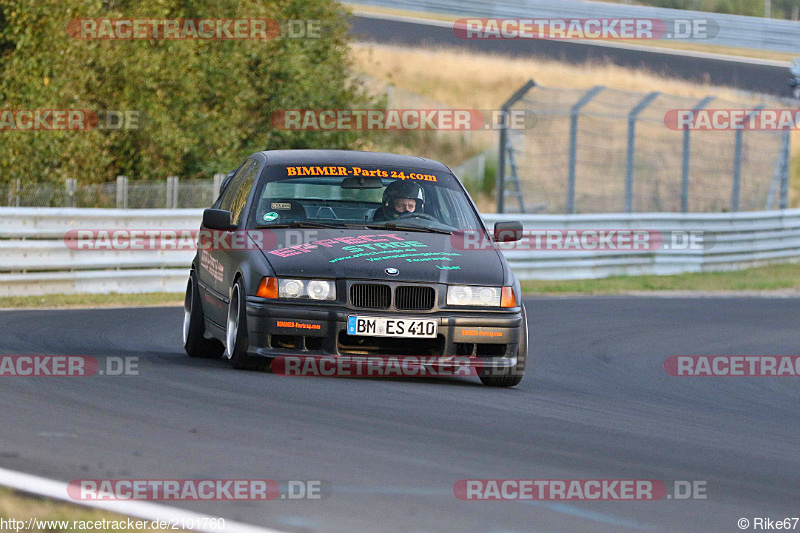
x,y
606,150
172,194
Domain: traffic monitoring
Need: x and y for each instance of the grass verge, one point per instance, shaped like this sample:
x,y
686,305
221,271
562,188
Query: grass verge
x,y
91,300
62,517
767,278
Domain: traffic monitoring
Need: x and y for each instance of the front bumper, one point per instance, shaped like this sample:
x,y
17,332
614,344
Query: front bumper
x,y
277,329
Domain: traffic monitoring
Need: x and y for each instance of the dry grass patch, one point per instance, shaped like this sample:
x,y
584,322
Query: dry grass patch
x,y
484,81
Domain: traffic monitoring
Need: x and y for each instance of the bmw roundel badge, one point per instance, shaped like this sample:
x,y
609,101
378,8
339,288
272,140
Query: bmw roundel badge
x,y
392,271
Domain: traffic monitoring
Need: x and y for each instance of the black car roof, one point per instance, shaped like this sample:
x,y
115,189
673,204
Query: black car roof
x,y
349,157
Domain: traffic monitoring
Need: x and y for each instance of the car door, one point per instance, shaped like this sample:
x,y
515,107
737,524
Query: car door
x,y
217,262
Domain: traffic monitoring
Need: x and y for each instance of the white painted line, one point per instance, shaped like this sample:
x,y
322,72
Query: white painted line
x,y
57,490
604,44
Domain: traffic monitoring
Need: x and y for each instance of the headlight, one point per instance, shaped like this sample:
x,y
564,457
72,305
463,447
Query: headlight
x,y
321,290
315,289
290,288
469,295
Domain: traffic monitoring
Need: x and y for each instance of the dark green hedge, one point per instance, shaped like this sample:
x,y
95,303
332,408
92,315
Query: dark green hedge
x,y
206,104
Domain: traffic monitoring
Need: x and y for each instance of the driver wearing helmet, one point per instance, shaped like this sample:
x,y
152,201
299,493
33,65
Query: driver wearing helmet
x,y
402,197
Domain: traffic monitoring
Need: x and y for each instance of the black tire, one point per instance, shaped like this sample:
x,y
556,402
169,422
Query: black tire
x,y
236,333
510,377
195,344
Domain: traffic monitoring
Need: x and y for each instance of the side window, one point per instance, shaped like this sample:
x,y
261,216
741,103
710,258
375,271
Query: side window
x,y
235,197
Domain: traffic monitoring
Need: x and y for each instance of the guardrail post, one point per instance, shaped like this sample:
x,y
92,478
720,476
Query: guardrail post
x,y
634,114
687,156
500,183
737,161
218,178
172,192
573,144
71,185
122,192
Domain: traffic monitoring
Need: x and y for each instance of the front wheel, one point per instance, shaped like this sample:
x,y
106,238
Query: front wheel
x,y
510,377
236,334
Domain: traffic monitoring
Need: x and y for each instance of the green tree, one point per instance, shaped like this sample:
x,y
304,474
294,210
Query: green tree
x,y
205,104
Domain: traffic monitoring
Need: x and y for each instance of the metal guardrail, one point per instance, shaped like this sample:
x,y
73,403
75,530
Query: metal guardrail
x,y
34,258
733,241
734,30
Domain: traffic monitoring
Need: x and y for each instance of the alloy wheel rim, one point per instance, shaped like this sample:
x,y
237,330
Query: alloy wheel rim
x,y
233,322
187,312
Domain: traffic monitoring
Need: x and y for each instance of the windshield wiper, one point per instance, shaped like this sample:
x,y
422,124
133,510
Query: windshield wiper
x,y
404,227
300,224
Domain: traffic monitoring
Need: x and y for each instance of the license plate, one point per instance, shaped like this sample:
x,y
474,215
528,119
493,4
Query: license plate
x,y
391,327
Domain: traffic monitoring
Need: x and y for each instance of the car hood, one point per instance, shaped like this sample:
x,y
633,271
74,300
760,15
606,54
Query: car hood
x,y
367,254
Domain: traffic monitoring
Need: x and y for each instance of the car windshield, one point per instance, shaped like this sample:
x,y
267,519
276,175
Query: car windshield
x,y
342,196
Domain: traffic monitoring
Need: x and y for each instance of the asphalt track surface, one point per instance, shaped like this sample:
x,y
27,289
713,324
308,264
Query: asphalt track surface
x,y
748,76
597,404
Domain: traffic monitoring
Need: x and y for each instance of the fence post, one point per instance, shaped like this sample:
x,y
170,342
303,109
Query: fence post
x,y
573,144
389,96
737,162
71,188
16,191
218,178
634,114
122,192
687,156
500,183
172,192
11,193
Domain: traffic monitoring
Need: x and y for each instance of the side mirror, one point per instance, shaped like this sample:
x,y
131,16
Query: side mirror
x,y
507,231
218,219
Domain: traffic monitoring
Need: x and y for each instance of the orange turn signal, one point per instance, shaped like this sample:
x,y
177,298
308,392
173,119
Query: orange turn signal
x,y
507,298
268,288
